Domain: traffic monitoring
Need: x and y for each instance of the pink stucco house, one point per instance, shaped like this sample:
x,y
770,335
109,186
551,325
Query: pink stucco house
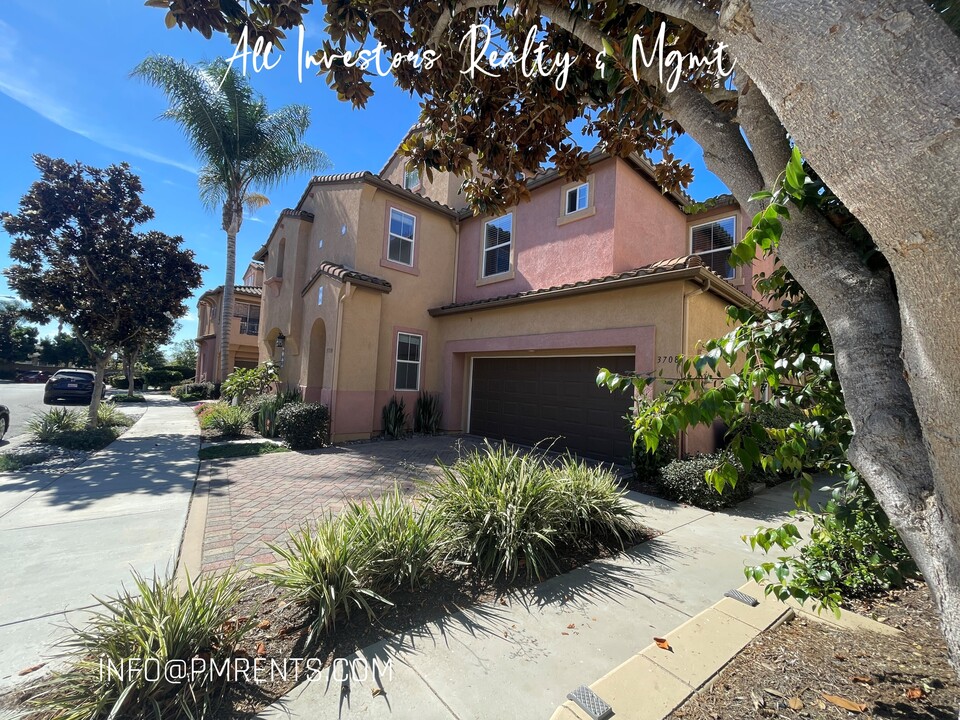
x,y
384,285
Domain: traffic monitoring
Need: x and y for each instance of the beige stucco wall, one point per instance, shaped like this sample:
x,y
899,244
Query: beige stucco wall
x,y
444,187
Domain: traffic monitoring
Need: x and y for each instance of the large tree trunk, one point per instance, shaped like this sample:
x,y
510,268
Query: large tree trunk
x,y
100,366
871,94
232,217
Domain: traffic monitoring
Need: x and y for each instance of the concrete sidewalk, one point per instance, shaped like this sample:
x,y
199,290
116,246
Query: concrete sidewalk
x,y
64,540
522,658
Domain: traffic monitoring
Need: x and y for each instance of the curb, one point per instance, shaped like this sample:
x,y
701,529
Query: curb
x,y
655,682
190,559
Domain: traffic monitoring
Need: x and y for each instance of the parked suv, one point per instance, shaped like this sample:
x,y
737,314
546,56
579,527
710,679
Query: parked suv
x,y
75,385
33,376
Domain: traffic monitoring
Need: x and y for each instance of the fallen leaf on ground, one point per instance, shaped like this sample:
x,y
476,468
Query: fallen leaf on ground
x,y
795,703
771,691
914,693
844,703
376,692
662,643
865,679
272,598
571,626
32,668
264,625
261,649
564,633
840,657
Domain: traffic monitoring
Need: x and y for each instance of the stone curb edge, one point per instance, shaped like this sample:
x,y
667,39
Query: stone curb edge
x,y
656,681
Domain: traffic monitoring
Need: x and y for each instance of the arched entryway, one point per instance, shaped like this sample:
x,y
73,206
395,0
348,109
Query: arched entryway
x,y
316,360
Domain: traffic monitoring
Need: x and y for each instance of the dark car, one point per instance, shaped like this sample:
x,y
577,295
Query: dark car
x,y
69,385
4,420
33,376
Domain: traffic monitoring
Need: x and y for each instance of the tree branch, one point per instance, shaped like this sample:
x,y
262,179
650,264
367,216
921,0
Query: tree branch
x,y
689,11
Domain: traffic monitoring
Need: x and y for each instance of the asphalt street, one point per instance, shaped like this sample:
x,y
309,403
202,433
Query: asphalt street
x,y
24,400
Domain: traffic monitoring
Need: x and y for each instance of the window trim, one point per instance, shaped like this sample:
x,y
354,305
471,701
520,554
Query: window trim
x,y
588,211
736,223
245,319
509,272
385,261
396,359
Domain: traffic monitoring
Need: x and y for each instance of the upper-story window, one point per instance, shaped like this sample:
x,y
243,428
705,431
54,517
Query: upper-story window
x,y
713,242
411,179
497,245
400,242
249,317
578,198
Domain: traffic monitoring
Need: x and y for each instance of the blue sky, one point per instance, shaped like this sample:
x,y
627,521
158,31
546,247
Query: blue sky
x,y
65,91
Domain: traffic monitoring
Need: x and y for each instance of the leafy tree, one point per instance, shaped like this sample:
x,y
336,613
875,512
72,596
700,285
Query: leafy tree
x,y
877,122
184,352
242,145
17,339
78,259
63,349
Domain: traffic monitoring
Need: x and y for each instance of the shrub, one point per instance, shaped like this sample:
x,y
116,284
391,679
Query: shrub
x,y
127,398
243,382
394,418
326,568
228,420
109,415
162,378
684,481
647,465
45,427
206,411
401,543
88,439
189,391
11,462
187,372
154,623
427,414
120,382
234,450
304,425
264,409
506,511
500,511
594,506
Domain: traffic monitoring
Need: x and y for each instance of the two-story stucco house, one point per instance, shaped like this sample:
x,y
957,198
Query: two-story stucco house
x,y
244,348
383,284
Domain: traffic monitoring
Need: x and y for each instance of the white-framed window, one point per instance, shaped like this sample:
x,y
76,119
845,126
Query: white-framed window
x,y
411,179
249,317
497,245
578,198
408,361
713,242
400,243
320,296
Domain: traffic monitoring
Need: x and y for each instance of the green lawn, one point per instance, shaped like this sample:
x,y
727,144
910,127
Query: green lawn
x,y
233,450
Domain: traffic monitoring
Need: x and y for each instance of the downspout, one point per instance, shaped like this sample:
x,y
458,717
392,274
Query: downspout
x,y
456,259
342,297
682,445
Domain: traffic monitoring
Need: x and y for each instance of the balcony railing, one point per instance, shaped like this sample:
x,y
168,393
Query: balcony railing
x,y
249,327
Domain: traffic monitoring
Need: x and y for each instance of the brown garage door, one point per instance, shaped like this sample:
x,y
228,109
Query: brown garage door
x,y
526,400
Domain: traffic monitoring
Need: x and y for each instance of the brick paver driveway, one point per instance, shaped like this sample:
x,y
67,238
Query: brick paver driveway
x,y
257,500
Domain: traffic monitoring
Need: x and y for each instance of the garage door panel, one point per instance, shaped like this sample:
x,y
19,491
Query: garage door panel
x,y
529,400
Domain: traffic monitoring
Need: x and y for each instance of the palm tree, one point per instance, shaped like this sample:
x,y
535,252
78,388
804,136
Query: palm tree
x,y
241,144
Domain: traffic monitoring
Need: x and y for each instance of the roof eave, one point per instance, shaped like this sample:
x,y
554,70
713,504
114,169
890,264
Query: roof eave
x,y
716,284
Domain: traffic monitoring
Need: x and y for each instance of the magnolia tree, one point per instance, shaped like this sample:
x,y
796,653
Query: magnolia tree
x,y
869,92
78,259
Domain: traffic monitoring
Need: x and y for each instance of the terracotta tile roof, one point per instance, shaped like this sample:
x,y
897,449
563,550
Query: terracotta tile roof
x,y
345,274
249,290
690,265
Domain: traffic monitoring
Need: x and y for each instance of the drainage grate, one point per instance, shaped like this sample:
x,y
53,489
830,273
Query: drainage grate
x,y
594,706
742,597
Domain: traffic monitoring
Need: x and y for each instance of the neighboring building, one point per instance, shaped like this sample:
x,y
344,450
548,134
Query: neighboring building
x,y
383,284
244,349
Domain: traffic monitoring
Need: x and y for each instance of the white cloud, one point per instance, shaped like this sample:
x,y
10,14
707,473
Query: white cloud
x,y
24,83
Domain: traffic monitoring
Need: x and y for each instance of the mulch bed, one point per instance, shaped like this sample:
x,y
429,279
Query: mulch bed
x,y
789,672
